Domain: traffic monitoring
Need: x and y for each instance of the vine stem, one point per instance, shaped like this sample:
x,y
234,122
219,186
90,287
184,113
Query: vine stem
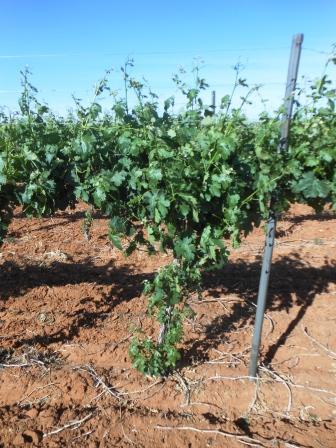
x,y
164,327
168,310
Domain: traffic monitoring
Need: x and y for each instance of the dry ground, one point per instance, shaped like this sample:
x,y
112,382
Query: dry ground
x,y
66,309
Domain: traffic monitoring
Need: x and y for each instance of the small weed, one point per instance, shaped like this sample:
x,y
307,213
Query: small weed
x,y
307,416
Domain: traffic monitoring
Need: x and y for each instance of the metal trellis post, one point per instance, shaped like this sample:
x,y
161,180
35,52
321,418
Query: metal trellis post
x,y
293,68
213,101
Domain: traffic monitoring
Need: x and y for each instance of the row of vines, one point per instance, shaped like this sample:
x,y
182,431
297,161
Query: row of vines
x,y
183,183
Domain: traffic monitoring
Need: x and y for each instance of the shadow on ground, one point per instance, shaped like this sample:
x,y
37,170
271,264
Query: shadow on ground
x,y
124,285
293,282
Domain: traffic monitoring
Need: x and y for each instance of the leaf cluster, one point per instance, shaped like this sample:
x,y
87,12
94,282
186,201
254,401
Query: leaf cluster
x,y
180,183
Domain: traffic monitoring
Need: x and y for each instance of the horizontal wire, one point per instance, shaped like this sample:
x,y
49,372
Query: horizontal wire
x,y
140,53
313,50
218,85
135,53
170,87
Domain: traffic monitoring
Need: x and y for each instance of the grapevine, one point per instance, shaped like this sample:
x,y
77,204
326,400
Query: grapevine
x,y
180,183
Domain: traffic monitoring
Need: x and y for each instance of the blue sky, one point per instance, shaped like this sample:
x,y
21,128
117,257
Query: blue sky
x,y
69,44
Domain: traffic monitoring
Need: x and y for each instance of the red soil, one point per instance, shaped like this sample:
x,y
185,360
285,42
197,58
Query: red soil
x,y
66,313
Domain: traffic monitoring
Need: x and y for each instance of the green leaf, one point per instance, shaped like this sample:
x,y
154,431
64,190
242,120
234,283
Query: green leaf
x,y
115,239
99,196
155,174
117,225
185,248
118,178
164,154
184,209
171,133
95,110
312,187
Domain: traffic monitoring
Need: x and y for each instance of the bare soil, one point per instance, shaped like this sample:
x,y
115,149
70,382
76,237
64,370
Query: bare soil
x,y
67,311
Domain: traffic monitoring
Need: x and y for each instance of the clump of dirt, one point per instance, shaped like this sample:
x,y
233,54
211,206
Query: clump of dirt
x,y
67,309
